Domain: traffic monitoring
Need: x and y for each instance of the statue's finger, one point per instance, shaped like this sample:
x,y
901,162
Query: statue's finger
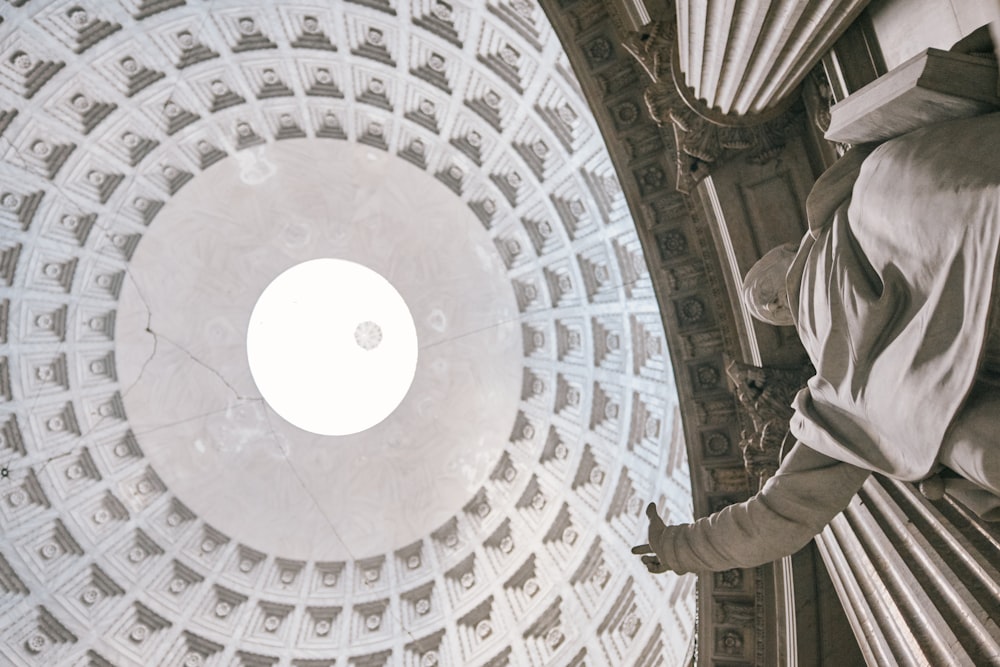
x,y
642,549
651,511
651,561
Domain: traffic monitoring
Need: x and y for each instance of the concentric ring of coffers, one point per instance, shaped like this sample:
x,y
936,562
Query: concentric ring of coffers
x,y
119,108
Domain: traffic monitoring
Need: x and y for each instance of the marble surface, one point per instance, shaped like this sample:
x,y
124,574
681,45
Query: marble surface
x,y
196,411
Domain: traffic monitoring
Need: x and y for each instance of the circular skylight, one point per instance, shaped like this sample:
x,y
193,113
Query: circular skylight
x,y
332,346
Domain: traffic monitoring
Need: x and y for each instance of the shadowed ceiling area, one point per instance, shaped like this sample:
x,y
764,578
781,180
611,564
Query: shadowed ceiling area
x,y
162,163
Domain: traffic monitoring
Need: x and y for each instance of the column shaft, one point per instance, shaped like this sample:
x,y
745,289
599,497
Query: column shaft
x,y
746,56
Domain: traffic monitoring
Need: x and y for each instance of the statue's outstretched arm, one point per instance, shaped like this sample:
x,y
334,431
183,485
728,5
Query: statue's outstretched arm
x,y
808,490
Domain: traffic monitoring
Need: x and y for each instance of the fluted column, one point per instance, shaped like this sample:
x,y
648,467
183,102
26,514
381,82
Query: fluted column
x,y
744,57
918,580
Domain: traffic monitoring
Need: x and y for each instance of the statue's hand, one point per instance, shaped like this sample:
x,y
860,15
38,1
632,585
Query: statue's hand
x,y
656,529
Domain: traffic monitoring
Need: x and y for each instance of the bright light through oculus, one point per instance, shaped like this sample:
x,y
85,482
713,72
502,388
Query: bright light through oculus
x,y
332,346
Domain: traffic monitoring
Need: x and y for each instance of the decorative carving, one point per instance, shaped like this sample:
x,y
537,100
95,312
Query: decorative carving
x,y
727,480
672,244
715,411
691,310
734,613
599,50
716,444
729,643
701,344
703,137
765,395
706,376
685,277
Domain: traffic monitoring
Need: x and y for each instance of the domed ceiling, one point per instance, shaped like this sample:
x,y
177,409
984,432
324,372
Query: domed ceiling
x,y
163,162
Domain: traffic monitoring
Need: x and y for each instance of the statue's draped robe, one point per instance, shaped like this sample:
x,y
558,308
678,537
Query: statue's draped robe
x,y
891,291
892,296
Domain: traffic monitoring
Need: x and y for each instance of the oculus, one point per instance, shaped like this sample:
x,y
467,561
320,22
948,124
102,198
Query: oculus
x,y
332,346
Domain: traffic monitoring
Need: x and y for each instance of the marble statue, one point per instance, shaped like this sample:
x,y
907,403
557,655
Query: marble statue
x,y
892,292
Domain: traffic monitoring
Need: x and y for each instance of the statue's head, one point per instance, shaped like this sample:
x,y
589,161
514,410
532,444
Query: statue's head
x,y
764,290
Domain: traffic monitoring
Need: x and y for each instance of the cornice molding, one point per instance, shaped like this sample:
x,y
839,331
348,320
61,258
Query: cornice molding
x,y
734,608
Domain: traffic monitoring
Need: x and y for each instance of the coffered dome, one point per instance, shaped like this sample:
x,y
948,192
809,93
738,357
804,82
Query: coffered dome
x,y
163,163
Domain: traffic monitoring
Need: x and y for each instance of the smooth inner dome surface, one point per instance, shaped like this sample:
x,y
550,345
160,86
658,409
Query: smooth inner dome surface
x,y
213,431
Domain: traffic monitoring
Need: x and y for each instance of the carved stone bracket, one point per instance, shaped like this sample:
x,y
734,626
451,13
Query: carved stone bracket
x,y
703,137
765,396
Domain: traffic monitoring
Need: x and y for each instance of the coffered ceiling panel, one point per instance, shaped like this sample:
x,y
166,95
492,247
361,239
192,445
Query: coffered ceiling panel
x,y
162,162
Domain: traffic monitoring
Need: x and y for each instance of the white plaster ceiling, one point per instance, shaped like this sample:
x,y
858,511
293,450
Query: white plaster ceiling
x,y
192,403
162,162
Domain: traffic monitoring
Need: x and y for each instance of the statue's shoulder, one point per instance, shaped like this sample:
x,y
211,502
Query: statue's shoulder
x,y
834,187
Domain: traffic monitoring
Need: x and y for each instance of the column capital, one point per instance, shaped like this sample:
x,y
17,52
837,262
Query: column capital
x,y
703,136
